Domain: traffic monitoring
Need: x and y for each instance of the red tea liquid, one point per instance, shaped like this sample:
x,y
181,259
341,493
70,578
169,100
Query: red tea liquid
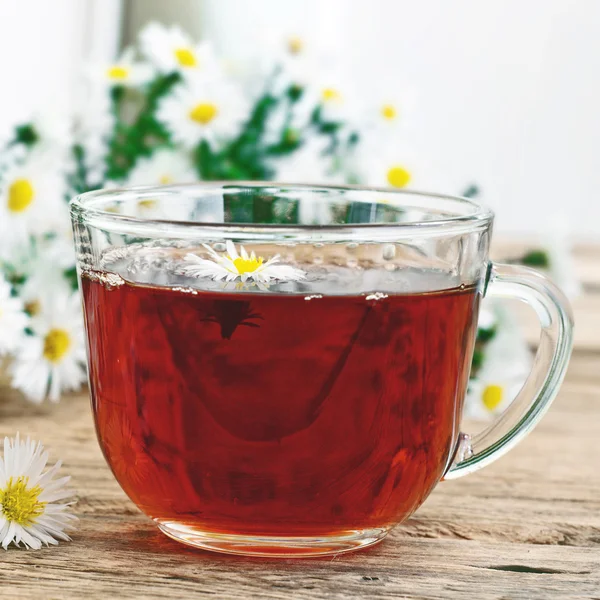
x,y
276,414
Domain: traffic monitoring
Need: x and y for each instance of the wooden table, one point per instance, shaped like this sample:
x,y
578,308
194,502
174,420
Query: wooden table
x,y
526,527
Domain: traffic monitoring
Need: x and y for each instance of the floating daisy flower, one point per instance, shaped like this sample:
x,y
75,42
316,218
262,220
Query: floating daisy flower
x,y
203,109
125,71
52,359
31,512
31,202
243,266
13,319
172,50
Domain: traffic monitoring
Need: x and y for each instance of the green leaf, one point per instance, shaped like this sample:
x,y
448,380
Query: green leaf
x,y
471,192
294,93
26,134
536,258
477,361
145,134
71,276
485,335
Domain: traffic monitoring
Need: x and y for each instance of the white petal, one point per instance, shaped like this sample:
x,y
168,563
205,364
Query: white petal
x,y
231,249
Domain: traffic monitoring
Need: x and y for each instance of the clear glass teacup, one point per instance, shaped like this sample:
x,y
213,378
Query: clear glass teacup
x,y
280,369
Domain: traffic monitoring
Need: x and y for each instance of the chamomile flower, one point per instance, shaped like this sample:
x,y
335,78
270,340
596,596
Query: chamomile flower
x,y
13,319
49,132
59,250
32,507
162,168
386,163
52,359
310,164
390,114
505,367
204,109
95,127
125,71
334,97
31,202
45,279
299,57
242,266
170,50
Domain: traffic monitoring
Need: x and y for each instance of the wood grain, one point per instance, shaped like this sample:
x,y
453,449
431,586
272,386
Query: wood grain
x,y
528,526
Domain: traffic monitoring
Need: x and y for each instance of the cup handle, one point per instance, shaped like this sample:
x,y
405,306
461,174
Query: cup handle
x,y
549,367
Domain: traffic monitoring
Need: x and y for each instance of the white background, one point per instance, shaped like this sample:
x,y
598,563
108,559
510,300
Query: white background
x,y
509,90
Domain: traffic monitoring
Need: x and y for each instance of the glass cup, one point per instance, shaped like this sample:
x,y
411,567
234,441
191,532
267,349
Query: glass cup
x,y
280,369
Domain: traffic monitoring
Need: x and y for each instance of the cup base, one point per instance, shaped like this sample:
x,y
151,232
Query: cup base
x,y
251,545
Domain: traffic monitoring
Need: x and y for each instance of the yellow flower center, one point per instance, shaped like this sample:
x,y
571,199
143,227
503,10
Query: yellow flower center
x,y
20,195
146,204
165,179
20,504
117,72
398,176
204,113
56,344
331,95
186,57
492,396
388,112
247,265
295,45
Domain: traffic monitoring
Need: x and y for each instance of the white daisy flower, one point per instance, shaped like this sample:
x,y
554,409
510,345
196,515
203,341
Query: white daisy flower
x,y
95,126
390,114
387,163
125,71
210,109
505,367
45,280
231,266
52,360
170,49
334,96
164,167
31,202
51,133
308,164
31,507
13,319
60,249
299,56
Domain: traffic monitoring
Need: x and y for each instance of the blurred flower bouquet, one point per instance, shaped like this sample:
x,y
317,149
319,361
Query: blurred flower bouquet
x,y
170,111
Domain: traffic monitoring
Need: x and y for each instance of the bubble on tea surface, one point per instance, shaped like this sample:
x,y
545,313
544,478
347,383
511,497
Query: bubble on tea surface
x,y
109,280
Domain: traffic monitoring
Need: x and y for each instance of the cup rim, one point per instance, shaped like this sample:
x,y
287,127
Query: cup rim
x,y
476,215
